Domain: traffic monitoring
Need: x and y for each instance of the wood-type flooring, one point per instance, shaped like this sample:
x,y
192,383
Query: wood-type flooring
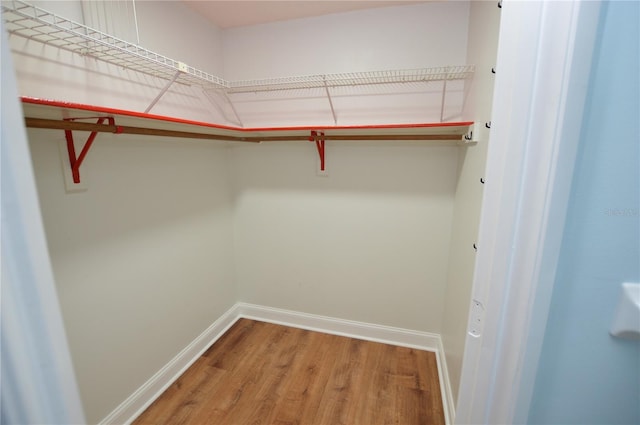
x,y
262,373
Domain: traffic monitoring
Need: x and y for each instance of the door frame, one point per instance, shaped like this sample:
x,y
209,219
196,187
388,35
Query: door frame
x,y
542,76
38,383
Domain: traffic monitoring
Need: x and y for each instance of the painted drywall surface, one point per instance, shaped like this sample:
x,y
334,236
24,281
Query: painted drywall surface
x,y
141,260
405,37
368,243
484,21
70,9
371,241
585,376
166,27
48,72
384,38
181,33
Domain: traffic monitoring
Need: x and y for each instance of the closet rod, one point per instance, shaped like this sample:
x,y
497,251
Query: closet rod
x,y
108,128
380,137
121,129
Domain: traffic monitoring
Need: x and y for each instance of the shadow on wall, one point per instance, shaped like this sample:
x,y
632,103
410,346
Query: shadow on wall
x,y
380,168
48,72
135,184
369,242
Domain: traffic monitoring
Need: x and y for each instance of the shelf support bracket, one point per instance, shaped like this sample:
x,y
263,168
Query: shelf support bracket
x,y
318,137
76,161
333,111
444,95
216,97
162,92
233,108
472,137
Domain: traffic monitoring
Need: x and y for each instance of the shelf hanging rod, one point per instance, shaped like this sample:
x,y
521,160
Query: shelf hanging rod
x,y
112,128
145,131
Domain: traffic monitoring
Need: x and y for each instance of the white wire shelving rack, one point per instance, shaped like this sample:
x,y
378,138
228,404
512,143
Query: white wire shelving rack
x,y
25,20
351,79
31,22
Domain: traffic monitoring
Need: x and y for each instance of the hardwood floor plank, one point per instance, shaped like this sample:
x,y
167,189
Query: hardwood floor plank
x,y
411,406
262,373
258,406
340,388
296,406
375,380
248,365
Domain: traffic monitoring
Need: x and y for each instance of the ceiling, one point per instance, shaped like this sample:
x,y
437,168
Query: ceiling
x,y
229,14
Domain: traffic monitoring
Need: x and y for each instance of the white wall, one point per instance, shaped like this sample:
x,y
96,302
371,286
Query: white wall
x,y
369,243
141,260
484,23
424,35
165,27
407,37
174,30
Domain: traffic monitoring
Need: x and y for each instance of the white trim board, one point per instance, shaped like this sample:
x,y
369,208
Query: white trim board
x,y
543,63
135,404
38,381
352,329
448,402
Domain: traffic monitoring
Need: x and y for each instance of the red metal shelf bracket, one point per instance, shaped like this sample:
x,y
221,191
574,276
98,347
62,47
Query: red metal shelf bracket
x,y
318,137
74,160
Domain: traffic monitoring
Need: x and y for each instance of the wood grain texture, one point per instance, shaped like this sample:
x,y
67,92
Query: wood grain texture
x,y
262,373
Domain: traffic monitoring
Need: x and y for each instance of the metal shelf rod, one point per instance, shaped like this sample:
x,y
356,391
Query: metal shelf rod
x,y
117,129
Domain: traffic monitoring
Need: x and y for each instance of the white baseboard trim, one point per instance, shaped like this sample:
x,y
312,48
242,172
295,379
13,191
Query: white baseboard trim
x,y
137,402
367,331
448,404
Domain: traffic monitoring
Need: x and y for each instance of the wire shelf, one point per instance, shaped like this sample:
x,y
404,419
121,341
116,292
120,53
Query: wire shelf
x,y
34,23
25,20
353,79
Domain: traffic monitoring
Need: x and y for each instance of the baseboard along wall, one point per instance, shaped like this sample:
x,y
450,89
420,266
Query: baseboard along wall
x,y
137,402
